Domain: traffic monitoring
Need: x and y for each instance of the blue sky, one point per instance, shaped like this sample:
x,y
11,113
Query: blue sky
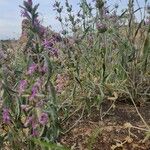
x,y
10,19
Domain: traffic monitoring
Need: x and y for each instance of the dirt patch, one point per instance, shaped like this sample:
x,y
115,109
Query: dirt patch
x,y
111,133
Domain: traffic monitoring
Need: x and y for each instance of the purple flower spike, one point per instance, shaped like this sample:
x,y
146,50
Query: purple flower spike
x,y
34,132
48,44
33,92
101,27
43,119
30,2
42,30
22,86
32,69
54,52
6,116
24,13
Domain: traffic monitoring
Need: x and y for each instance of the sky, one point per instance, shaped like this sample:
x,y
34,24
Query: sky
x,y
10,19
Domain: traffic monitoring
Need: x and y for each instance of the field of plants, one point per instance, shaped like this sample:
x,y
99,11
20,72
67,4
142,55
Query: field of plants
x,y
84,88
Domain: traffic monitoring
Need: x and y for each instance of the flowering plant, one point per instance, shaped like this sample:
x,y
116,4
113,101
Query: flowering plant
x,y
33,95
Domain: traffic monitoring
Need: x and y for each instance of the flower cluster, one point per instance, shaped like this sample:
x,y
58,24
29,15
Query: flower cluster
x,y
101,27
35,88
35,122
6,116
31,121
22,86
43,120
147,21
48,44
29,12
32,68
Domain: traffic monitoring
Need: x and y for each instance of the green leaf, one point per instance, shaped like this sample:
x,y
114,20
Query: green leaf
x,y
35,9
50,145
50,68
27,6
18,108
146,52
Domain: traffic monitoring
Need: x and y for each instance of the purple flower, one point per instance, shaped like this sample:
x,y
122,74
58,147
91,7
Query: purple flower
x,y
54,52
43,119
30,2
34,91
6,116
101,27
48,44
35,88
43,69
147,21
36,22
34,132
41,30
32,69
24,14
22,86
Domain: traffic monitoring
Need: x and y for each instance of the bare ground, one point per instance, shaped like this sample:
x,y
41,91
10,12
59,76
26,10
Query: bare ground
x,y
112,132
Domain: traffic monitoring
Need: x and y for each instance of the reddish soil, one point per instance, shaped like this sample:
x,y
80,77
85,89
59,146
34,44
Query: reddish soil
x,y
111,132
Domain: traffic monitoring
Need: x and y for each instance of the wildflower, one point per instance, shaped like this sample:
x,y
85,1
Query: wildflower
x,y
147,22
34,92
24,14
22,86
34,132
101,27
32,69
43,69
48,44
30,2
6,116
54,52
41,30
43,119
35,88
